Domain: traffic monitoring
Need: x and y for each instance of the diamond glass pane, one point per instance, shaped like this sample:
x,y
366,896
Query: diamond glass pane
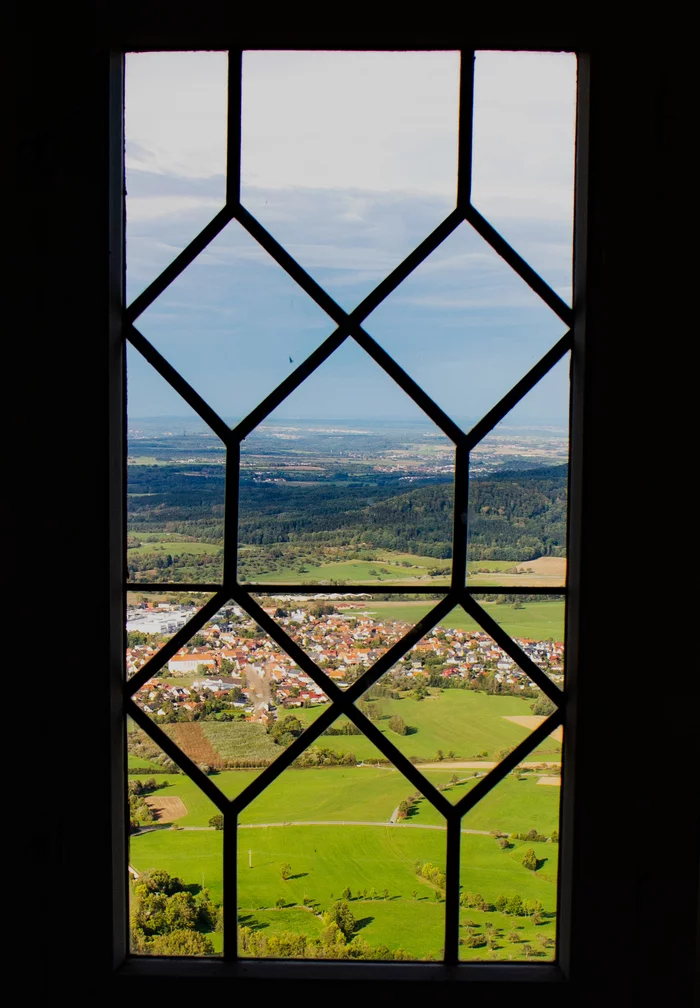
x,y
486,328
234,324
347,468
456,702
223,697
344,634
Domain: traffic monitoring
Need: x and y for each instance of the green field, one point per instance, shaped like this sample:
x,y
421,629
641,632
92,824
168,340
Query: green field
x,y
356,572
538,620
389,567
513,806
325,860
331,793
463,721
368,793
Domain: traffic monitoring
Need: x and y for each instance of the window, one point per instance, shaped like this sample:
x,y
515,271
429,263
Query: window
x,y
63,187
239,640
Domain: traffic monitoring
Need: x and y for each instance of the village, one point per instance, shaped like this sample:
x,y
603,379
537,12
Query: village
x,y
239,673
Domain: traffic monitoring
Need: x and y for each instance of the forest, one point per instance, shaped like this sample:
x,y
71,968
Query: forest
x,y
514,516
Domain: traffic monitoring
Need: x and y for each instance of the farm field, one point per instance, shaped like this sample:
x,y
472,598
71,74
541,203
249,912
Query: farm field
x,y
537,620
472,726
324,860
463,721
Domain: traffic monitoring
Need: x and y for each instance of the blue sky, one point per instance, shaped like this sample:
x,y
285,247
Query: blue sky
x,y
349,160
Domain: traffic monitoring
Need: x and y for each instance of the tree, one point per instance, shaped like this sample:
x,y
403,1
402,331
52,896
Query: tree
x,y
285,871
217,821
398,725
530,860
161,881
475,940
515,905
181,912
346,893
279,903
341,915
182,942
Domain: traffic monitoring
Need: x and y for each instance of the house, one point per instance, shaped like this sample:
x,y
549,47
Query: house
x,y
183,664
220,684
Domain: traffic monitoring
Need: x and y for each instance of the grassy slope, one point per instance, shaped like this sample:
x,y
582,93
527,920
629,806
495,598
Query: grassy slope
x,y
331,793
460,720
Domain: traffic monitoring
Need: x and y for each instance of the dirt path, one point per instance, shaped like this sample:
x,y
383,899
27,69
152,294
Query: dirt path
x,y
481,765
340,822
532,721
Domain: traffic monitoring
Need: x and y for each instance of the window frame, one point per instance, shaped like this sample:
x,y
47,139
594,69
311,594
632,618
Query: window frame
x,y
128,965
61,252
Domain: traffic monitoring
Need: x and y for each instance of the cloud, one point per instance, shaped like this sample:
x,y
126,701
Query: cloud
x,y
349,161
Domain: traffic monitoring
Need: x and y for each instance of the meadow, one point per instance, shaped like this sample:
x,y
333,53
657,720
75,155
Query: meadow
x,y
391,903
358,572
465,722
346,794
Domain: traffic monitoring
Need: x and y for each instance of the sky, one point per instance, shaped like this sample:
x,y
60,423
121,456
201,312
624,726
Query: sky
x,y
349,160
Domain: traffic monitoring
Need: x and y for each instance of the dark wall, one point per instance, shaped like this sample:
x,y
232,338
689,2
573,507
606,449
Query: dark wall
x,y
635,859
